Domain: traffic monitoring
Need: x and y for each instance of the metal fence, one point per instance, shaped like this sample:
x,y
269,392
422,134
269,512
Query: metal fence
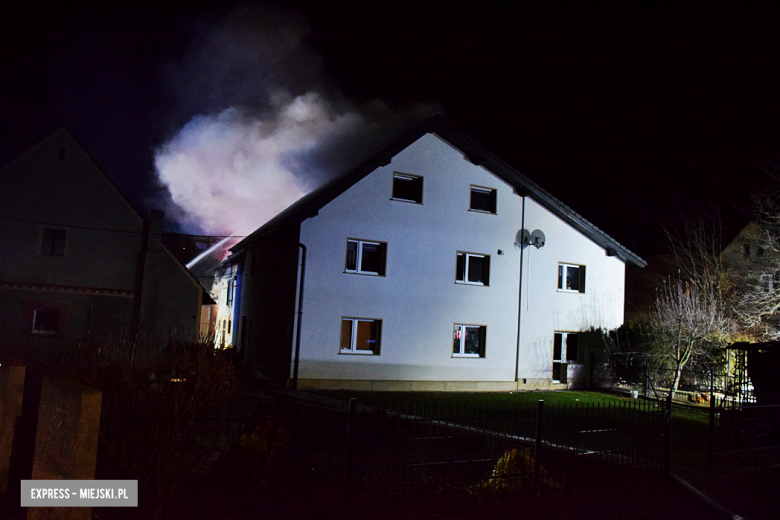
x,y
742,433
359,447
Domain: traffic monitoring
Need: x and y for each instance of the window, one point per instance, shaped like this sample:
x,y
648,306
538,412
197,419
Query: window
x,y
472,269
769,282
407,188
366,257
45,321
565,350
571,278
483,199
53,243
468,340
360,336
230,292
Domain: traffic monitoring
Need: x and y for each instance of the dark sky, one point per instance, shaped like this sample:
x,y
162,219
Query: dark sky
x,y
627,112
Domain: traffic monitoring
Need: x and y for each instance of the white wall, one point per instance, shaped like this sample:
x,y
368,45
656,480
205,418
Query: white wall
x,y
546,310
418,300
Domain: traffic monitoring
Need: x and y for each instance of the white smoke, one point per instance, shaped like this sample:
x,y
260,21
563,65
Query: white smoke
x,y
264,140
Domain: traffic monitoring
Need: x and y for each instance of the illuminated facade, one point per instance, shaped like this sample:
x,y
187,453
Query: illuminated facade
x,y
434,266
78,258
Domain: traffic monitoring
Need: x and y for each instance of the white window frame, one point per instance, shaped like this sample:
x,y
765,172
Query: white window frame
x,y
489,191
562,277
353,339
465,279
459,329
407,177
359,256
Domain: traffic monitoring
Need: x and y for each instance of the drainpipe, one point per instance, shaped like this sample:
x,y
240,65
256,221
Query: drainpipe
x,y
300,315
520,294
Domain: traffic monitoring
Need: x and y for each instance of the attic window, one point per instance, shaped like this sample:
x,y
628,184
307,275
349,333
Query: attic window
x,y
53,242
407,188
61,153
483,199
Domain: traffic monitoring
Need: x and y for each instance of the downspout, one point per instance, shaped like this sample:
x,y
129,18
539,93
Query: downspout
x,y
300,315
237,285
520,295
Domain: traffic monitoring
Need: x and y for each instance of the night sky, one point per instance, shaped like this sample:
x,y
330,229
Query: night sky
x,y
630,113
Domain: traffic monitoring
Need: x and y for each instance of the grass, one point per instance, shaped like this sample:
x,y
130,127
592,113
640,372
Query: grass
x,y
689,424
478,398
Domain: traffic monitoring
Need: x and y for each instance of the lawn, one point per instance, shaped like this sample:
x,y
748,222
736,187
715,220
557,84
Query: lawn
x,y
477,398
592,409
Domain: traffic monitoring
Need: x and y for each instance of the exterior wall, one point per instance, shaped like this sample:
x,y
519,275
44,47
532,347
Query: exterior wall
x,y
171,302
266,285
72,194
417,300
225,315
101,281
546,310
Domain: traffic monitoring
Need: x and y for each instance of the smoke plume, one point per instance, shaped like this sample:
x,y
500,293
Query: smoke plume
x,y
264,127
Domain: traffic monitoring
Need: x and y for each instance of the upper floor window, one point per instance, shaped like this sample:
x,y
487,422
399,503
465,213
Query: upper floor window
x,y
407,188
45,321
53,243
468,340
571,278
472,269
360,336
364,257
230,292
483,199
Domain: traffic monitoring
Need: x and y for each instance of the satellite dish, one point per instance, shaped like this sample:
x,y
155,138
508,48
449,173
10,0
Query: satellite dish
x,y
523,238
537,239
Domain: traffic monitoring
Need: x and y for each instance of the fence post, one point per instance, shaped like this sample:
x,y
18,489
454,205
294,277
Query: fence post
x,y
350,441
711,443
668,435
538,447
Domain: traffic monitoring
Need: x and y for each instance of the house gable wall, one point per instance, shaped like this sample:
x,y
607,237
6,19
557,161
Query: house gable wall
x,y
417,299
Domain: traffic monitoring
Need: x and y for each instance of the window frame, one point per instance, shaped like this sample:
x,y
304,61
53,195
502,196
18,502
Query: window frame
x,y
485,268
563,359
359,257
563,275
408,177
493,195
461,328
353,350
50,245
45,331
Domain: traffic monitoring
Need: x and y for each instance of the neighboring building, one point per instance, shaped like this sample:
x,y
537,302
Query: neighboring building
x,y
434,266
223,291
77,258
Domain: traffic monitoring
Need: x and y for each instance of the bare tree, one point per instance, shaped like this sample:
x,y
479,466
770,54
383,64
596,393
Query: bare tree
x,y
687,324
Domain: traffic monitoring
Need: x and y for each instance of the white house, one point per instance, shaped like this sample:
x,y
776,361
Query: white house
x,y
434,266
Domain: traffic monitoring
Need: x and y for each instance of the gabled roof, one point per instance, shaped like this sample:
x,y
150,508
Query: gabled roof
x,y
310,204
